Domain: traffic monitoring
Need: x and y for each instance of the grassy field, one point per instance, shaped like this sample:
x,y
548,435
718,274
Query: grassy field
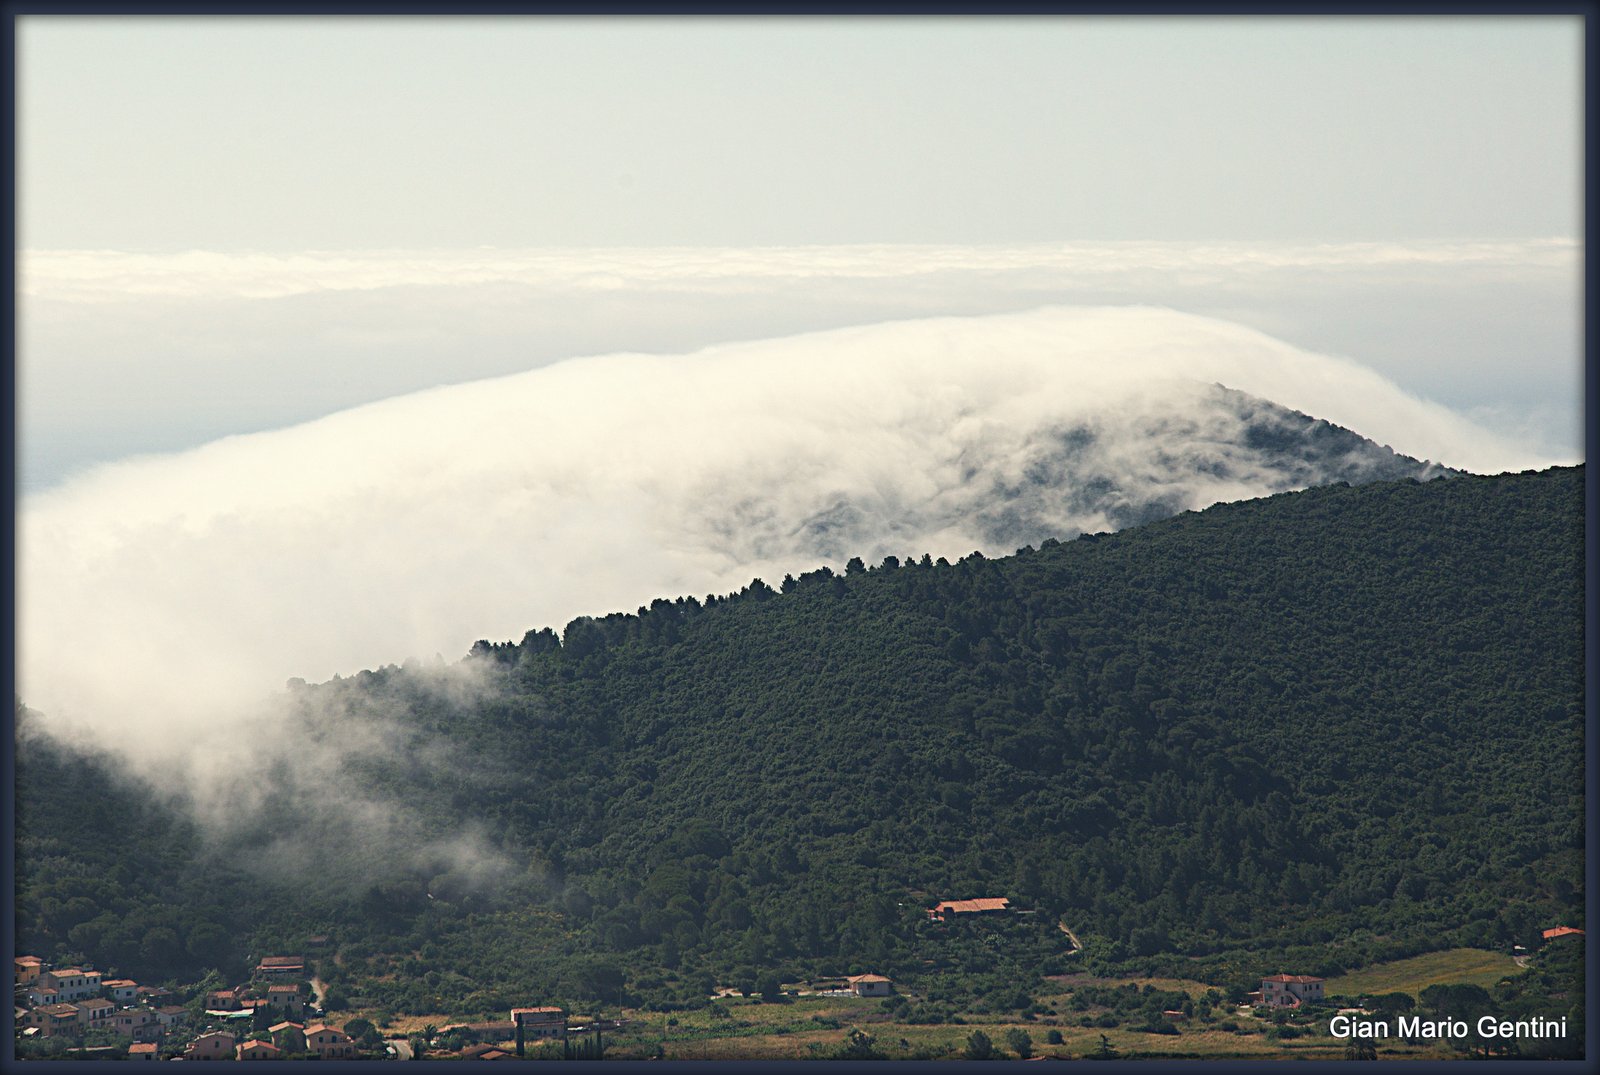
x,y
1457,966
815,1027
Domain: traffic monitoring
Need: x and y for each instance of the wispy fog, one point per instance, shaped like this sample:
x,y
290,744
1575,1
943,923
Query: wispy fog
x,y
164,601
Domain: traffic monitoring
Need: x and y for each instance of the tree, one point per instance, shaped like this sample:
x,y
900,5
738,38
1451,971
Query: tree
x,y
1018,1041
1105,1050
1361,1049
979,1047
770,987
859,1045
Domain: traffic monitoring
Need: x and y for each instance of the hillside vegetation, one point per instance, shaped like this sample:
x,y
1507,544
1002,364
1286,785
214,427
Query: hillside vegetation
x,y
1306,732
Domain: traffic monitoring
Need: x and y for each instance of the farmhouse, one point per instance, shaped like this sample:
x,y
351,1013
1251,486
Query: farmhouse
x,y
1562,931
540,1022
870,985
950,909
1290,990
281,967
142,1050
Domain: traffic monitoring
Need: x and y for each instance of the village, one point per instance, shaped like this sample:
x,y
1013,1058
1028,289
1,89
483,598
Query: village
x,y
277,1014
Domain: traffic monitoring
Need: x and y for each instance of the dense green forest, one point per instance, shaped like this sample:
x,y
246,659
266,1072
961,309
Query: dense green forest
x,y
1299,733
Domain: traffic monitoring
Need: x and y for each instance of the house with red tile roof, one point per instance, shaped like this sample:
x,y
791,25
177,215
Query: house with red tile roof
x,y
329,1043
290,1037
170,1014
287,998
1562,931
144,1050
257,1050
949,909
1290,990
96,1012
281,967
53,1019
134,1021
123,991
71,983
218,1045
28,969
870,985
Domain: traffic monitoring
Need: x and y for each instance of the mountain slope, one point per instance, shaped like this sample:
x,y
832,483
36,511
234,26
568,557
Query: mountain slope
x,y
1315,729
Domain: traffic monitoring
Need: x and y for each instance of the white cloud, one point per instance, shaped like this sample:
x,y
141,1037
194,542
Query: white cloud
x,y
164,601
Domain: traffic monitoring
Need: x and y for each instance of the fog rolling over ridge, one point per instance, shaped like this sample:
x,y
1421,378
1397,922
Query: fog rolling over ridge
x,y
164,601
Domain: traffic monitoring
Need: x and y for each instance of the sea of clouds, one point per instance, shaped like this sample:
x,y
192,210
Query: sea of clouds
x,y
163,600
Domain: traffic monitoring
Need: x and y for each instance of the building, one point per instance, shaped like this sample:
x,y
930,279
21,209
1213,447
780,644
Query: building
x,y
40,994
71,983
257,1050
226,1000
1562,931
51,1019
540,1022
96,1012
136,1023
1290,990
870,985
281,967
144,1050
287,998
28,969
169,1015
328,1043
290,1037
218,1045
153,994
950,909
123,991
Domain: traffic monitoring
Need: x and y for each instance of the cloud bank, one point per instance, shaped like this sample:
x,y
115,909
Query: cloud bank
x,y
121,353
164,601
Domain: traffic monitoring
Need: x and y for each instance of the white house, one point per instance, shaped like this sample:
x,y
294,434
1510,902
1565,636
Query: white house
x,y
1290,990
870,985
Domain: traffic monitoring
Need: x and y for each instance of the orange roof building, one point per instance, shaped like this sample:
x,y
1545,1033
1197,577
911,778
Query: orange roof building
x,y
1562,931
986,905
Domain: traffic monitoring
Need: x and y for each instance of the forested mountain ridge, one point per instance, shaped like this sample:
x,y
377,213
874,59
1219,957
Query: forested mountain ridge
x,y
1309,730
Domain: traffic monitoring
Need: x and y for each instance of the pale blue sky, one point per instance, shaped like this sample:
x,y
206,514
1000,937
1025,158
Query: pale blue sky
x,y
414,139
292,133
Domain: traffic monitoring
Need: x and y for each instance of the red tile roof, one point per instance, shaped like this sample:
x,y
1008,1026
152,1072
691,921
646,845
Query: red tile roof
x,y
1302,979
275,1027
1562,931
143,1047
867,978
258,1046
986,903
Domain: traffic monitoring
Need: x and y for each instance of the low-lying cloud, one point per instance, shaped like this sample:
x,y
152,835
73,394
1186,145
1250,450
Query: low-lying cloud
x,y
121,353
164,601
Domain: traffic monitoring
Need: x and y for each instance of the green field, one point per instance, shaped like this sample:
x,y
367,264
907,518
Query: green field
x,y
1469,966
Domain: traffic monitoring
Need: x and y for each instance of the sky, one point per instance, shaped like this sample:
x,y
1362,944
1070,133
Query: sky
x,y
286,134
329,327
